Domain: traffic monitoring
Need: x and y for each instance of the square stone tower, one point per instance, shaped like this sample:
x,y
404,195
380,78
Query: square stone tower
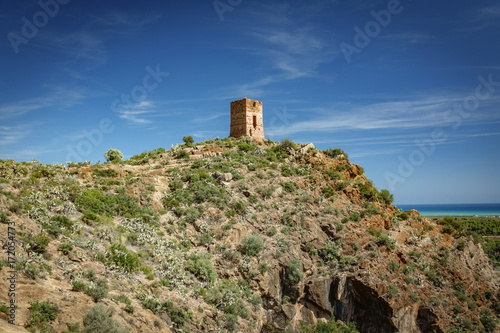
x,y
246,119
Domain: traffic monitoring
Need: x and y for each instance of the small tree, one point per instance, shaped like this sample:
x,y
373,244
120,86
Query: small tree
x,y
386,197
336,153
188,140
113,155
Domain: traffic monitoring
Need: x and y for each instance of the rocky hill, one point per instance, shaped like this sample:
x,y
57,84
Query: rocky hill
x,y
230,235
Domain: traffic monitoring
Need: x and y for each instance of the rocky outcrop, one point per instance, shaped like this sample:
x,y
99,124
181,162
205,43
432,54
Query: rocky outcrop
x,y
349,299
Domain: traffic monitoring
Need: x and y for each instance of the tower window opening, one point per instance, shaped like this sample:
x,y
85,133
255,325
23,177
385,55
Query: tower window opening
x,y
254,121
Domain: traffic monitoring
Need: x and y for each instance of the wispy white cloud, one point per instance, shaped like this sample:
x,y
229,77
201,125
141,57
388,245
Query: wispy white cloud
x,y
27,154
414,113
10,135
491,11
88,42
138,113
288,50
482,18
211,117
57,97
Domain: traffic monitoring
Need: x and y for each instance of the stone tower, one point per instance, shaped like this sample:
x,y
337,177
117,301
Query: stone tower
x,y
246,119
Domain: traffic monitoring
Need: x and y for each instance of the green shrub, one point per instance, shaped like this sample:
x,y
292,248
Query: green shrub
x,y
370,209
488,320
105,173
65,248
393,291
79,286
4,218
336,152
95,201
41,314
182,154
386,240
179,316
386,197
113,155
288,186
328,191
368,191
404,216
252,244
188,140
393,266
246,147
62,221
151,303
355,217
72,328
330,252
272,231
123,257
239,207
176,184
253,199
39,243
192,214
286,171
99,320
4,309
205,238
89,217
335,175
287,144
292,272
201,266
97,290
227,297
170,203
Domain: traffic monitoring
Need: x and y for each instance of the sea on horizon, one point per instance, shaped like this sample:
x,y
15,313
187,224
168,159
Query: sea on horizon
x,y
490,209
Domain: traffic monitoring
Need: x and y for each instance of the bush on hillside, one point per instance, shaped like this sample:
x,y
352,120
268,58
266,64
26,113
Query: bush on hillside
x,y
41,314
113,156
201,265
188,140
252,244
99,320
123,257
336,152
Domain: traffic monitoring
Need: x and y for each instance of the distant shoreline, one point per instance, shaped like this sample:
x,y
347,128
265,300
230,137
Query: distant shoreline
x,y
434,216
490,210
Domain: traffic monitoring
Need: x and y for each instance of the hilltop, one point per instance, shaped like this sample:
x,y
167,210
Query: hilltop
x,y
232,235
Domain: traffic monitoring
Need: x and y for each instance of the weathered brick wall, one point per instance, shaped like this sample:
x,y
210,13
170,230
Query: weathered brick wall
x,y
247,119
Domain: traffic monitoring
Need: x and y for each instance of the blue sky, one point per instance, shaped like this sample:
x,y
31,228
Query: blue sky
x,y
409,89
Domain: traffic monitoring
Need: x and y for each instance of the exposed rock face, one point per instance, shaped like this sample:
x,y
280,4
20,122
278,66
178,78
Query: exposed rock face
x,y
350,299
